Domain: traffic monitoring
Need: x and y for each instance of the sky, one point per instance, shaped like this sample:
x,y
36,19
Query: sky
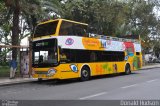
x,y
25,41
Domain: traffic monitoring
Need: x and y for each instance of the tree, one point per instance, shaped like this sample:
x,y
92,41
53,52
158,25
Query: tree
x,y
112,17
109,17
23,16
115,17
15,7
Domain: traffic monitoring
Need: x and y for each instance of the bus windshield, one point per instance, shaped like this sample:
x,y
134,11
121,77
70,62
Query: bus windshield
x,y
46,29
45,53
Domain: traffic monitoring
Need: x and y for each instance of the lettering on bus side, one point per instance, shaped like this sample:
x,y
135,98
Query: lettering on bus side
x,y
104,43
42,44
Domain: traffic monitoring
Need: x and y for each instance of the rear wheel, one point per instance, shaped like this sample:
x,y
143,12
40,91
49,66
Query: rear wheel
x,y
127,69
85,74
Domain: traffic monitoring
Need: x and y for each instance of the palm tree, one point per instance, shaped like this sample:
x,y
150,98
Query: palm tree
x,y
31,11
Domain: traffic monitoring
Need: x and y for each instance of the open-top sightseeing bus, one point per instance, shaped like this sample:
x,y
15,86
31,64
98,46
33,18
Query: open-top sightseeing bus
x,y
62,49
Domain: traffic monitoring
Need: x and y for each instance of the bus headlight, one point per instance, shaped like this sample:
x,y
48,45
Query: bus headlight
x,y
51,72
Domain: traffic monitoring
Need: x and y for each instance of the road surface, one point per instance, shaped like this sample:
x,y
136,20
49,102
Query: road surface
x,y
143,84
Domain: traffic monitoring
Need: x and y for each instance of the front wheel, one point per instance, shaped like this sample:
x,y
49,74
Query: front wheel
x,y
39,79
127,70
85,74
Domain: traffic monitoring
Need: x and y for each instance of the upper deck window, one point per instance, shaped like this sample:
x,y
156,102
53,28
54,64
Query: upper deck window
x,y
46,29
70,28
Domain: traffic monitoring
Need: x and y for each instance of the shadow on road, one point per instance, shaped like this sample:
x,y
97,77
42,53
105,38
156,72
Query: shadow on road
x,y
55,82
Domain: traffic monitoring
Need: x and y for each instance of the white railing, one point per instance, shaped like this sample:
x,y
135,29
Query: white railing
x,y
92,35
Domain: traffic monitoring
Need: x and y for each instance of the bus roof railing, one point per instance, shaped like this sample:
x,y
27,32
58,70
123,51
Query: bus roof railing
x,y
92,35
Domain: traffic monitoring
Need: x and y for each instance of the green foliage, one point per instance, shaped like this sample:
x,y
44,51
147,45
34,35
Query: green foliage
x,y
113,17
4,71
117,17
18,18
4,63
109,17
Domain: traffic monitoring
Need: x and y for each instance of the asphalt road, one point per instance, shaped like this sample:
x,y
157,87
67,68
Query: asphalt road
x,y
143,84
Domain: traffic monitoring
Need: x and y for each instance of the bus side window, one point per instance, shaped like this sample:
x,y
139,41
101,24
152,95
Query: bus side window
x,y
93,57
63,32
63,57
40,58
79,30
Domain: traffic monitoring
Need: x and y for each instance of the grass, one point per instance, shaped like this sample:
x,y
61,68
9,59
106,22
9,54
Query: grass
x,y
5,71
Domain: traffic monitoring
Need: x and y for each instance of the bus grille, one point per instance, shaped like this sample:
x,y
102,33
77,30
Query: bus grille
x,y
41,72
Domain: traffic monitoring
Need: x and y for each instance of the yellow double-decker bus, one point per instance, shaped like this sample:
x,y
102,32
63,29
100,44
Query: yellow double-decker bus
x,y
62,49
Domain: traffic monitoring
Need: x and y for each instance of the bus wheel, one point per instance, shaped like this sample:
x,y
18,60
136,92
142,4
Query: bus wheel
x,y
39,79
127,69
85,74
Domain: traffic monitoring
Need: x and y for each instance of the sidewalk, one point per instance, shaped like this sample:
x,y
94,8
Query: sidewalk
x,y
157,65
7,81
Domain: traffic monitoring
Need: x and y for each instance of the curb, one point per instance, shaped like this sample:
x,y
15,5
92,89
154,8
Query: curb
x,y
148,67
22,81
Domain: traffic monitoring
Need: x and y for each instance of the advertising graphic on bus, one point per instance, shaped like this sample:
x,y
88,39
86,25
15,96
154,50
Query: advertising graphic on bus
x,y
64,49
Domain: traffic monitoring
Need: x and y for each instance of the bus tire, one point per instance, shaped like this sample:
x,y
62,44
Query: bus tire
x,y
127,69
85,73
39,79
